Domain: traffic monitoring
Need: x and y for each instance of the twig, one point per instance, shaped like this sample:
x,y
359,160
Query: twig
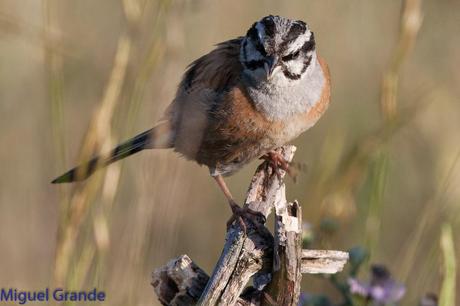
x,y
323,261
180,282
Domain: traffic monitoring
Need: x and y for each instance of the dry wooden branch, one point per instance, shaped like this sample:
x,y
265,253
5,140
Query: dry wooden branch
x,y
323,261
274,263
180,282
284,289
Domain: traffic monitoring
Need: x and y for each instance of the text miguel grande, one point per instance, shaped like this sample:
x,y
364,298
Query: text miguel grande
x,y
22,297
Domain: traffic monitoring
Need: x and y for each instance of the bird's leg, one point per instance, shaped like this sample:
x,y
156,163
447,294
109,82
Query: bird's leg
x,y
238,212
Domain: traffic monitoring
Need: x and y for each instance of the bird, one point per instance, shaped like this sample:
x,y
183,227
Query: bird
x,y
239,102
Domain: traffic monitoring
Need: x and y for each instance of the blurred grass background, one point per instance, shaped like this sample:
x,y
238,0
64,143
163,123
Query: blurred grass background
x,y
78,76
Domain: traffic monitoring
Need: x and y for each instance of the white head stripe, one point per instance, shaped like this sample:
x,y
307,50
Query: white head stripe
x,y
298,43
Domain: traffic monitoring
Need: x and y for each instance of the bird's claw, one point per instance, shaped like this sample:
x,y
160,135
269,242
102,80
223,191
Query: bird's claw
x,y
276,161
239,213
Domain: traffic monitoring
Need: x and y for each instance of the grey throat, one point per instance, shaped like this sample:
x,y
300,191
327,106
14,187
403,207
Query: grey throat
x,y
280,98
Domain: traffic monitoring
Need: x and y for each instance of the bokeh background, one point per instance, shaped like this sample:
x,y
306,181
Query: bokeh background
x,y
78,76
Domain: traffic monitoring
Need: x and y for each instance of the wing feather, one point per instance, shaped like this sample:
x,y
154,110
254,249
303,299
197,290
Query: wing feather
x,y
203,88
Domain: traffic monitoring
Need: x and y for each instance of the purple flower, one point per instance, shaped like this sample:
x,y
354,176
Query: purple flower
x,y
381,288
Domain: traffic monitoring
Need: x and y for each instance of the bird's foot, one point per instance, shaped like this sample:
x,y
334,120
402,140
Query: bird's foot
x,y
242,215
277,162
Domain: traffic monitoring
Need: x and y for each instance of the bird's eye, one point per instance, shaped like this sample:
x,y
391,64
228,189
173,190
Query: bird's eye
x,y
291,56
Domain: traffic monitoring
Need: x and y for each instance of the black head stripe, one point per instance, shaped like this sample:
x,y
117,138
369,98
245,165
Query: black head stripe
x,y
296,76
302,23
253,65
296,29
310,44
260,48
306,63
252,33
269,25
290,75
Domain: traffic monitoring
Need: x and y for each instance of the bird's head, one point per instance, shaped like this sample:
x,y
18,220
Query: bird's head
x,y
278,50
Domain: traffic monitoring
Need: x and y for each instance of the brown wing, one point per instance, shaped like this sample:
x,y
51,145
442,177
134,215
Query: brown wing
x,y
218,70
236,133
205,83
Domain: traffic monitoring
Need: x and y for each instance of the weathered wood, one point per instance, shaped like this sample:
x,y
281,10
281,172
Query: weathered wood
x,y
244,255
180,282
323,261
274,263
284,289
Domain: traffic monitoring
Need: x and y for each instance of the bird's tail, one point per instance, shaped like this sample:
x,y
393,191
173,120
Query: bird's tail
x,y
158,137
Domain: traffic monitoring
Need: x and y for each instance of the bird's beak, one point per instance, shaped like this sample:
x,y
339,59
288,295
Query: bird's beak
x,y
270,65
